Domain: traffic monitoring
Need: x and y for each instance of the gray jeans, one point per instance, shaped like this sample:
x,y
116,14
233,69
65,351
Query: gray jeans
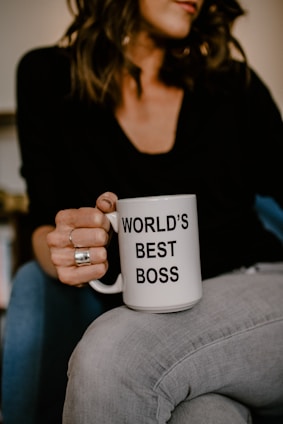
x,y
210,364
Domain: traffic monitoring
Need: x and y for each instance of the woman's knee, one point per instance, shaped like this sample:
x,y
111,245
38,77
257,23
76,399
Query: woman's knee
x,y
111,371
106,344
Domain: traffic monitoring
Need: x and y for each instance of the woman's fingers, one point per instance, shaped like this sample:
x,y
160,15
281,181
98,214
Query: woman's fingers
x,y
68,270
85,237
79,227
66,257
82,230
82,218
75,276
72,273
78,242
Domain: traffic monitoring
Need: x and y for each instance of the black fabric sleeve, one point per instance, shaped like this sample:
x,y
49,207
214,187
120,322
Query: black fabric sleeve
x,y
43,82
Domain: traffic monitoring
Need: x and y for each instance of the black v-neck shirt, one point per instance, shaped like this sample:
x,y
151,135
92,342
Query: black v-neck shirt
x,y
228,148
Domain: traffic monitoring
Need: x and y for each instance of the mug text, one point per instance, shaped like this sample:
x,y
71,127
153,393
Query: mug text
x,y
154,224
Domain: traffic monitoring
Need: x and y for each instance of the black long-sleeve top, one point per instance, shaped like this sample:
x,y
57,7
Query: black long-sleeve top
x,y
228,148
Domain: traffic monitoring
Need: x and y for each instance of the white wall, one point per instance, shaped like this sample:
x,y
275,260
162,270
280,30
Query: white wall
x,y
261,34
25,24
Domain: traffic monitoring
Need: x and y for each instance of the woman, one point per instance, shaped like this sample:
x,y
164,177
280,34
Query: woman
x,y
157,105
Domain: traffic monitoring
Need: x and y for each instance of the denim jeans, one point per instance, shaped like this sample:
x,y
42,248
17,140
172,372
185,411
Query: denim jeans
x,y
44,322
210,364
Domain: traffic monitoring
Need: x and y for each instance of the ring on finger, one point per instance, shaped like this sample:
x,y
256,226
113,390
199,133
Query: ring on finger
x,y
82,257
71,237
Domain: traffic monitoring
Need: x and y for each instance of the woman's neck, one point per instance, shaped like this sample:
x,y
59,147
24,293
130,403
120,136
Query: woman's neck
x,y
151,118
145,54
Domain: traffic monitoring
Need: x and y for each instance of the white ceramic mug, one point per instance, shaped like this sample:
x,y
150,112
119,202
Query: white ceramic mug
x,y
159,253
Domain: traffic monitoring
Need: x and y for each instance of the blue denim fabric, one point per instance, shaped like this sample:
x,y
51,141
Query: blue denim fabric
x,y
270,214
44,322
133,367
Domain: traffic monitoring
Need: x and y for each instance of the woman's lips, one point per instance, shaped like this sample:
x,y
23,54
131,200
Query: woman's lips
x,y
189,6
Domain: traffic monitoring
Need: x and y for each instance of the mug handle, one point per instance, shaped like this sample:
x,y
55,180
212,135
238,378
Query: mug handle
x,y
117,287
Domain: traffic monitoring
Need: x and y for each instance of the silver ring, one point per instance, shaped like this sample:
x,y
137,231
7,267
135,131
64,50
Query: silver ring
x,y
70,237
82,257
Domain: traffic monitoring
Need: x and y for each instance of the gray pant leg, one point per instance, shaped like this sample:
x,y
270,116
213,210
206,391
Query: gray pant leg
x,y
211,409
132,367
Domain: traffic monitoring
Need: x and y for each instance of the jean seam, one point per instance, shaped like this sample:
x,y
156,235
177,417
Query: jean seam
x,y
213,343
207,345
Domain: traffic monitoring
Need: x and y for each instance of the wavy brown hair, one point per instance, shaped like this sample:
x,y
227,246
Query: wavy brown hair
x,y
96,42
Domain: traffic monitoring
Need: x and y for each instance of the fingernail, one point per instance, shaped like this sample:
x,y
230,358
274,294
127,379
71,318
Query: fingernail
x,y
109,203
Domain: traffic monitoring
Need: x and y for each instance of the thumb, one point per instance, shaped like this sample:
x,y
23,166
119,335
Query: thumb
x,y
106,202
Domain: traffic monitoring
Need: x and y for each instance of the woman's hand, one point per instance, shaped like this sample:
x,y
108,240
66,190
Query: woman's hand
x,y
84,230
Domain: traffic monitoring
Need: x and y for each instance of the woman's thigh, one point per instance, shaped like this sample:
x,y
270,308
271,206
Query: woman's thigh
x,y
140,366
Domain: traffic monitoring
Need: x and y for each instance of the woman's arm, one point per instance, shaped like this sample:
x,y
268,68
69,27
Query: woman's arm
x,y
41,89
